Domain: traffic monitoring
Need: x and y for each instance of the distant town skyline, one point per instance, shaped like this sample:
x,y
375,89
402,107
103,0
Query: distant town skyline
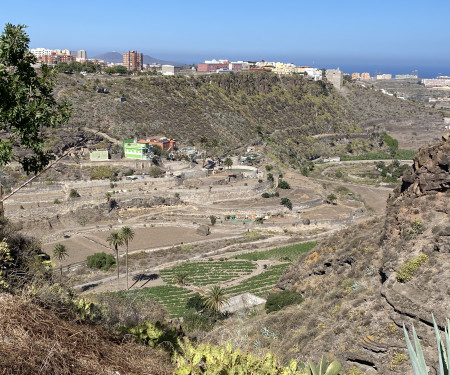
x,y
352,35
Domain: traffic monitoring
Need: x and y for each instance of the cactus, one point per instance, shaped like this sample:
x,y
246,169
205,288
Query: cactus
x,y
323,368
216,360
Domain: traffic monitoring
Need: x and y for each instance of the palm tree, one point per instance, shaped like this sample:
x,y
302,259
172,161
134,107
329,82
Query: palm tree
x,y
115,239
228,162
127,235
60,253
215,299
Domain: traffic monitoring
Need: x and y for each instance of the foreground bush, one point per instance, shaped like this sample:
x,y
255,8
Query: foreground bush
x,y
276,301
101,261
210,359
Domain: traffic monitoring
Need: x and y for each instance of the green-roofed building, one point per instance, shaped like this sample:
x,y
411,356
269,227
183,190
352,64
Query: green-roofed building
x,y
137,150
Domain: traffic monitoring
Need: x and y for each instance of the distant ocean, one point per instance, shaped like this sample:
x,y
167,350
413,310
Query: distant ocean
x,y
424,71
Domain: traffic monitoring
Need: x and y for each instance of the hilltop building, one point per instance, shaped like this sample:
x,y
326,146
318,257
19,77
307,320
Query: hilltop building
x,y
365,76
436,82
167,70
164,143
39,52
214,66
384,76
313,73
81,55
336,78
406,76
355,75
99,155
132,60
133,149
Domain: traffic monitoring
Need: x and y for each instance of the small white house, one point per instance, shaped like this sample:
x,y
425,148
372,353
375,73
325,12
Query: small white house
x,y
167,70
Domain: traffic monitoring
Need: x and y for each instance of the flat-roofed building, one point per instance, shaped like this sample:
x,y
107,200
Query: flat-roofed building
x,y
167,70
365,76
212,66
132,60
164,143
384,76
81,55
134,149
99,155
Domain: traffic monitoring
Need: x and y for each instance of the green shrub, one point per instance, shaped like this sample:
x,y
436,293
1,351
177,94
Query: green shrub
x,y
331,198
101,261
73,194
282,184
102,172
252,235
213,219
265,195
409,269
276,301
416,228
390,142
286,202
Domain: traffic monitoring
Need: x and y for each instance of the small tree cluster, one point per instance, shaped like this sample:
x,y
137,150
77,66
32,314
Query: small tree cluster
x,y
286,202
101,261
268,195
283,184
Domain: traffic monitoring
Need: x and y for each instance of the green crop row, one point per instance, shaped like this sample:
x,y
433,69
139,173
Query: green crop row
x,y
173,298
291,252
207,273
259,285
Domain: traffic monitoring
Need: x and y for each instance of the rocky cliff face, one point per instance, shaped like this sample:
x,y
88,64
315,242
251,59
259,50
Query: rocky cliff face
x,y
385,274
364,283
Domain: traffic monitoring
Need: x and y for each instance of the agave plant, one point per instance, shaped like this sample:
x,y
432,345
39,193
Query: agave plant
x,y
323,368
416,355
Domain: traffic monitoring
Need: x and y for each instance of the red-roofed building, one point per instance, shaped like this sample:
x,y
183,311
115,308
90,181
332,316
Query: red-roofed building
x,y
163,142
212,66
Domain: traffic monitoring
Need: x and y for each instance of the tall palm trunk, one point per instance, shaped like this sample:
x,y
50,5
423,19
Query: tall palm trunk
x,y
117,260
126,262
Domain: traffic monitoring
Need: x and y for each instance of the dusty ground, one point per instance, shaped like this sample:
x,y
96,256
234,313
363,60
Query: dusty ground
x,y
164,226
84,244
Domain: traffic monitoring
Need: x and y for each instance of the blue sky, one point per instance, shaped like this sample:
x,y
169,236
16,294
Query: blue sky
x,y
338,33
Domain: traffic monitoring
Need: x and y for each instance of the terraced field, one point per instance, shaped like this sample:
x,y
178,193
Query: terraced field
x,y
209,273
171,297
259,285
289,253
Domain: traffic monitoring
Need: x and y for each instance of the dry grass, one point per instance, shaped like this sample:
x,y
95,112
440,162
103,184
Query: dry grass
x,y
34,340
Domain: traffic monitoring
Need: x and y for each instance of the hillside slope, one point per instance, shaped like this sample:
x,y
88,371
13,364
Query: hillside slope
x,y
35,340
360,285
225,111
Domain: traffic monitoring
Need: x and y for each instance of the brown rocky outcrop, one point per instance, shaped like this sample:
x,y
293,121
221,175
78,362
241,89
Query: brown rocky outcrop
x,y
355,306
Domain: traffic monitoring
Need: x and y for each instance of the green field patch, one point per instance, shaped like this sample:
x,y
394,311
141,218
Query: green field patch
x,y
208,273
399,154
290,253
171,297
261,284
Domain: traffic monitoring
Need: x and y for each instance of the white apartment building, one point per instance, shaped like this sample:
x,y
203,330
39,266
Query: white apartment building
x,y
38,52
